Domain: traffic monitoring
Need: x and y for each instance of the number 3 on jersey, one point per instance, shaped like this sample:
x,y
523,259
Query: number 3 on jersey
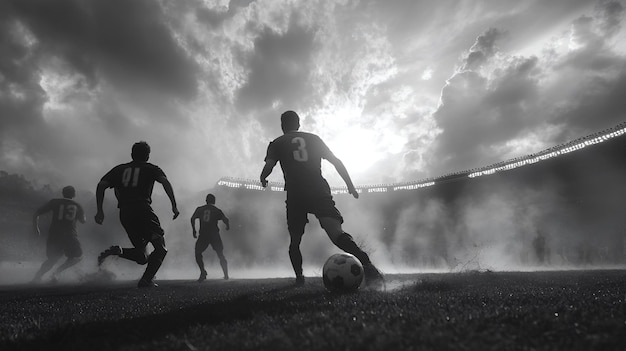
x,y
300,155
130,177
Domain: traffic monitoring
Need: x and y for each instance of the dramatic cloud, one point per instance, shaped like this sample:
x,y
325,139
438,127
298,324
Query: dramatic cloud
x,y
400,90
498,105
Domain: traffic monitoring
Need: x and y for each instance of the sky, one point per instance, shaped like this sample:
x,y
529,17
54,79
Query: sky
x,y
400,90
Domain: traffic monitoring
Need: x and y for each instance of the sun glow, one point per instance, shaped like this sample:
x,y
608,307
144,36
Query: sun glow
x,y
358,142
356,148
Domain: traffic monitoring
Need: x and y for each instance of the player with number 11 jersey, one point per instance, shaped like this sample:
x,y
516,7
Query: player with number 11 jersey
x,y
133,183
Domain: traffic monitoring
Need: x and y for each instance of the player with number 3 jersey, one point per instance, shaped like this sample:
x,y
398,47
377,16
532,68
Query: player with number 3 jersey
x,y
133,183
300,155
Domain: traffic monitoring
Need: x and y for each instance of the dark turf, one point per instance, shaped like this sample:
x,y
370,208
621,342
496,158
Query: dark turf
x,y
565,310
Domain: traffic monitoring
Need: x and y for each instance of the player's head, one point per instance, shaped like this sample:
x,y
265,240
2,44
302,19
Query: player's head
x,y
140,151
289,121
68,192
210,199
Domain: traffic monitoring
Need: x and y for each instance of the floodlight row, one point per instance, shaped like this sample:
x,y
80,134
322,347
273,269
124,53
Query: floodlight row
x,y
556,151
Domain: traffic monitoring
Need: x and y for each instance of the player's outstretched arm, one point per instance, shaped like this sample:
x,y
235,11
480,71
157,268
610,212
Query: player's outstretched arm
x,y
36,230
100,189
81,217
343,172
227,222
167,186
193,223
267,170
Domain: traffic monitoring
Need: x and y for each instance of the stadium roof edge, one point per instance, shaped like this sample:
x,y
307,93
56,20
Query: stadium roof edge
x,y
543,155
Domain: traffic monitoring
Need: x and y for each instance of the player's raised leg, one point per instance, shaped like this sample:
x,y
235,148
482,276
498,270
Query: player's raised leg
x,y
344,241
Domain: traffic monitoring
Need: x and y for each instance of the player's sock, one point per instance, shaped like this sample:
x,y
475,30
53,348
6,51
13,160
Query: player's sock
x,y
67,264
146,283
299,280
45,267
347,244
224,265
373,277
151,269
154,263
296,260
202,276
200,260
134,254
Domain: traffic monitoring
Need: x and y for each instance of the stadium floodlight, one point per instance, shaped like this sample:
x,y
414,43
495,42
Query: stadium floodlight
x,y
551,152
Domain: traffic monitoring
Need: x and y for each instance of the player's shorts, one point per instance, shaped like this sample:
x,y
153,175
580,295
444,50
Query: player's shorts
x,y
298,209
141,224
206,239
60,244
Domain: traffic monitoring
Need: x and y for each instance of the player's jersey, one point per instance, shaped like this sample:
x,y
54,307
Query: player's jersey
x,y
133,182
208,215
300,155
65,213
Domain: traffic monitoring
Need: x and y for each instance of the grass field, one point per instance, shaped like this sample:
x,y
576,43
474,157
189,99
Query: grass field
x,y
558,310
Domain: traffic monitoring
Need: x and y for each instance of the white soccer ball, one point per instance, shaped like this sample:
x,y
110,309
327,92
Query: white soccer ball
x,y
342,272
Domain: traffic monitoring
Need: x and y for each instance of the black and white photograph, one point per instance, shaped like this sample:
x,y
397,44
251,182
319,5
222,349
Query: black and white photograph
x,y
312,175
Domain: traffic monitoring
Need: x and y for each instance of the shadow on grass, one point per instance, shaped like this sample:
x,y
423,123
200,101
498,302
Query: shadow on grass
x,y
114,335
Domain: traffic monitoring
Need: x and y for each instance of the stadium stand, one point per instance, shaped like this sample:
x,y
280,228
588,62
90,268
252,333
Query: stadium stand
x,y
508,165
574,192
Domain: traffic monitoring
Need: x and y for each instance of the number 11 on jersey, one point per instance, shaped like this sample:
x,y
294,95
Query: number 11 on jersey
x,y
129,174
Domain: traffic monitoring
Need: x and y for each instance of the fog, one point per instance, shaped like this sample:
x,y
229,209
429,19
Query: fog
x,y
463,224
399,90
494,222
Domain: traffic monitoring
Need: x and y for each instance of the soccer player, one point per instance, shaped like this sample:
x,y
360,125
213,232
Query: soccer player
x,y
133,183
300,156
209,216
62,235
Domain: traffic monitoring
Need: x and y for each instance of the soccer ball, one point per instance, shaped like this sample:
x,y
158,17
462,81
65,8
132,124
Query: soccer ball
x,y
342,272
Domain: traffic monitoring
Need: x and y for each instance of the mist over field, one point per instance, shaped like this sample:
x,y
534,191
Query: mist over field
x,y
399,90
488,223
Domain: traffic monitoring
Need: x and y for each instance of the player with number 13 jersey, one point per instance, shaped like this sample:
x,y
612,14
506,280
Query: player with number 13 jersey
x,y
62,235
